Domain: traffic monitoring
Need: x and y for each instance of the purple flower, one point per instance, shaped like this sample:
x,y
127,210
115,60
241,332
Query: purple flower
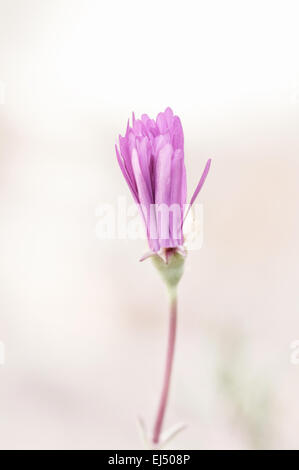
x,y
151,158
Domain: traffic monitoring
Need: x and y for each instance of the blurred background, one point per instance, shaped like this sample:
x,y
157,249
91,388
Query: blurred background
x,y
84,323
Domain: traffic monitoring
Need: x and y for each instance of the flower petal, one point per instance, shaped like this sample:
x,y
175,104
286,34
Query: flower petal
x,y
143,147
199,186
162,193
177,197
162,123
126,175
177,134
201,181
146,202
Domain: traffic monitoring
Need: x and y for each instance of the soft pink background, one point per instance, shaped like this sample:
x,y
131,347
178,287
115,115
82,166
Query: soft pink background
x,y
83,322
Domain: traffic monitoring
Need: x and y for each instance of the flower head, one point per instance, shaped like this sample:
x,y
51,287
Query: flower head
x,y
151,158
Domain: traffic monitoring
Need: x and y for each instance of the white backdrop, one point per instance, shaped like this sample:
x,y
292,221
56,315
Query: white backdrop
x,y
83,323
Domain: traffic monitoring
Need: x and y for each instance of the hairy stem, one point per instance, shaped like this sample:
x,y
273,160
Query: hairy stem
x,y
168,369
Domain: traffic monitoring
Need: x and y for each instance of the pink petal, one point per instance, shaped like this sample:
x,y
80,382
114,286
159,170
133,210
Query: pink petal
x,y
162,192
177,197
201,181
162,175
126,175
177,134
162,123
146,201
199,186
168,113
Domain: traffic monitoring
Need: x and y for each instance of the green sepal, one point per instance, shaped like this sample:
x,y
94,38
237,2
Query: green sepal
x,y
172,271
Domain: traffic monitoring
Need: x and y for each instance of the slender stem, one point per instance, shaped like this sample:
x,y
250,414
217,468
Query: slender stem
x,y
168,369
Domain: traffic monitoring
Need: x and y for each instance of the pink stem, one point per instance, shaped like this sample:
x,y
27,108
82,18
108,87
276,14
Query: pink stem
x,y
168,369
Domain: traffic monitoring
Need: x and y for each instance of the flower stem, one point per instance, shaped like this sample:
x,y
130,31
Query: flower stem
x,y
168,368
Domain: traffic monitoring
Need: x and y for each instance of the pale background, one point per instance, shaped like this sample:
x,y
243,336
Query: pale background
x,y
83,322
